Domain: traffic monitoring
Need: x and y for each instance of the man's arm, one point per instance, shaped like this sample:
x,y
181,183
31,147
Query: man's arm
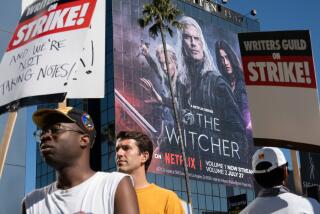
x,y
153,65
126,199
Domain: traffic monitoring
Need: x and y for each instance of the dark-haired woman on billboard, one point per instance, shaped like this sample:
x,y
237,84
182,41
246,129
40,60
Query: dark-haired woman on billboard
x,y
231,69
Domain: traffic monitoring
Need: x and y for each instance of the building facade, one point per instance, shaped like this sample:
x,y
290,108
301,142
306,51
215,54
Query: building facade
x,y
123,39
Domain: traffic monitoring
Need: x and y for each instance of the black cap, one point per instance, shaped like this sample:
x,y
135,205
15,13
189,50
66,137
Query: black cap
x,y
43,117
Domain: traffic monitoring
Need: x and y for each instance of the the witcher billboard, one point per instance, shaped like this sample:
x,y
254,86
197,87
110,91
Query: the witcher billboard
x,y
206,73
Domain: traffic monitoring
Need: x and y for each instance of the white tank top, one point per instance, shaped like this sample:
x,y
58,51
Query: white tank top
x,y
93,196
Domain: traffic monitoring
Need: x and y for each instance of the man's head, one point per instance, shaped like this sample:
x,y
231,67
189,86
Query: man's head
x,y
192,42
133,151
269,167
64,134
192,50
172,59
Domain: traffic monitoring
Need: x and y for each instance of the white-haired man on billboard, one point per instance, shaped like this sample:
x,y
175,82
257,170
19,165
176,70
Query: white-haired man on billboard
x,y
204,84
270,170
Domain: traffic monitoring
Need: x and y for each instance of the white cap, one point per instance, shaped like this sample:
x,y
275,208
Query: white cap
x,y
272,155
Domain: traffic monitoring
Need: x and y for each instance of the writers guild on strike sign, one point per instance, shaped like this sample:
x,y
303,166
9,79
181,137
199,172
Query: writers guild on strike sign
x,y
284,60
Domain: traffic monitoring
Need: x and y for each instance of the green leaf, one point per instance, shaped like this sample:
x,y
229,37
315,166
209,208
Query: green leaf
x,y
153,31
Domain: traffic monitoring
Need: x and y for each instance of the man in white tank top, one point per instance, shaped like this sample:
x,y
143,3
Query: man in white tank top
x,y
66,135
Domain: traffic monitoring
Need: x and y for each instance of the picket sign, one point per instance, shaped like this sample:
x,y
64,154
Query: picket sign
x,y
27,63
282,91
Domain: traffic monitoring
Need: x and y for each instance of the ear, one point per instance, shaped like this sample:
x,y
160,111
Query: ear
x,y
84,141
286,172
144,157
286,176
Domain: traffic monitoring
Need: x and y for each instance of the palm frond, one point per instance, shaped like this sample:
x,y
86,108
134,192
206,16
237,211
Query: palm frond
x,y
177,24
170,31
153,31
160,13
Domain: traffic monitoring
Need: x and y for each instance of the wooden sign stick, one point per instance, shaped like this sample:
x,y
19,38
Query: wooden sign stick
x,y
4,147
296,172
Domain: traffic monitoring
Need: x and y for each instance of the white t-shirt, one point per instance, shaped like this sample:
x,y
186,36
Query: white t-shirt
x,y
93,196
285,203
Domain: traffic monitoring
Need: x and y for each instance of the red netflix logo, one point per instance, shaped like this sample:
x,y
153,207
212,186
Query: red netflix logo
x,y
177,159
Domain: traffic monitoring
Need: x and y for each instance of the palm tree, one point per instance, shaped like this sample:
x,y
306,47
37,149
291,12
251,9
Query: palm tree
x,y
162,15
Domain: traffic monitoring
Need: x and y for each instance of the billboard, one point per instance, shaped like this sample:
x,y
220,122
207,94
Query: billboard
x,y
204,67
310,165
237,203
281,84
43,54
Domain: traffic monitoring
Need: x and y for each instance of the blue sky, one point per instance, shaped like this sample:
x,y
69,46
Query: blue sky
x,y
273,15
9,16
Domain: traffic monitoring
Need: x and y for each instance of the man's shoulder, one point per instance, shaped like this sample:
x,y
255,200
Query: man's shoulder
x,y
298,199
211,75
173,203
287,201
113,178
164,191
41,192
111,174
292,196
218,80
46,189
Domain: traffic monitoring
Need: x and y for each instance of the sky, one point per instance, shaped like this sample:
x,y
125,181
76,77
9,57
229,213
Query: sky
x,y
273,15
9,16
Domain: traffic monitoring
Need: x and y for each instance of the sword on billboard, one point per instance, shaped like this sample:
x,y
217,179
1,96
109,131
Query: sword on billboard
x,y
134,114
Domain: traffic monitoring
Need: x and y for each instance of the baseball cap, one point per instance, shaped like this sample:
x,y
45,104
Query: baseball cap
x,y
266,159
43,117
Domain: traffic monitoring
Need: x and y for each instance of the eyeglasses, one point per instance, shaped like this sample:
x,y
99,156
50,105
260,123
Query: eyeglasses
x,y
53,130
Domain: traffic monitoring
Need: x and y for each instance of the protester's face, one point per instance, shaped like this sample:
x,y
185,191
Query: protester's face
x,y
225,61
171,63
192,43
128,156
59,146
